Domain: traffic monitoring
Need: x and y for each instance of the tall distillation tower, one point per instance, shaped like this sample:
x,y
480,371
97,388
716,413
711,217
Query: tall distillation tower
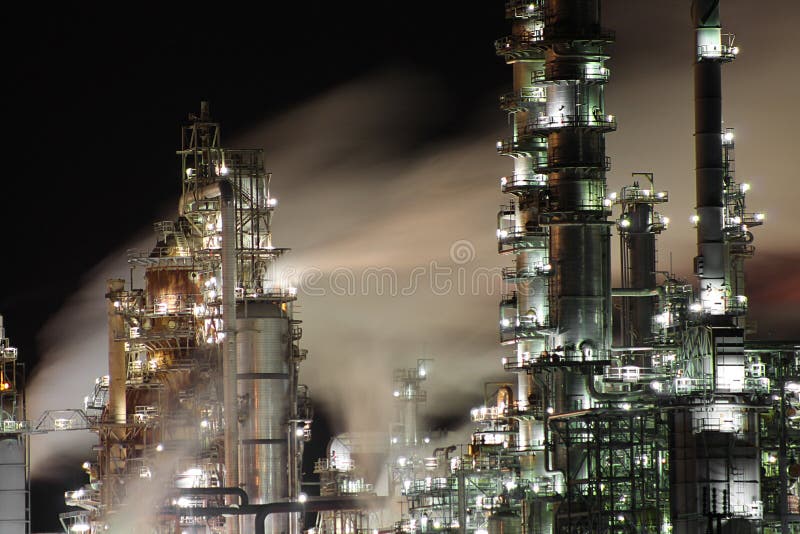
x,y
571,435
203,389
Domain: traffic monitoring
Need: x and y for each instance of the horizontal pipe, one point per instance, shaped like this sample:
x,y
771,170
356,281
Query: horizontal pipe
x,y
631,292
315,505
243,499
262,511
222,189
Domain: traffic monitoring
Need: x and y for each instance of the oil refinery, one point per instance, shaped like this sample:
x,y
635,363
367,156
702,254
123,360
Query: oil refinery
x,y
646,408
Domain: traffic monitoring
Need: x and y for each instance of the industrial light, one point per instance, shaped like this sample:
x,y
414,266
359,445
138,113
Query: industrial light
x,y
606,202
86,465
695,219
665,220
794,387
204,423
189,172
696,307
760,216
396,393
744,188
183,502
550,410
401,461
160,447
661,194
299,432
624,223
735,50
302,497
505,323
80,527
728,136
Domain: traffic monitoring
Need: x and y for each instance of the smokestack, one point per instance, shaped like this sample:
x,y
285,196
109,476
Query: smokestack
x,y
711,260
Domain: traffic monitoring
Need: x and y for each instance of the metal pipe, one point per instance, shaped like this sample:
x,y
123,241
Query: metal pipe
x,y
262,511
223,189
229,368
637,293
315,505
243,499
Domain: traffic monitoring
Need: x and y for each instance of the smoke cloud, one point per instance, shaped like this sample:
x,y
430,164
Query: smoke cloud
x,y
392,228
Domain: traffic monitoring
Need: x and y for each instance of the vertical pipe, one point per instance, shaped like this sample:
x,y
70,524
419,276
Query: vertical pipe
x,y
229,343
117,371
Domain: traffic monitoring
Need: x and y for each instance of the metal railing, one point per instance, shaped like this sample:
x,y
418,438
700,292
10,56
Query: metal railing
x,y
583,75
554,161
523,42
553,122
525,9
516,182
524,145
514,239
514,101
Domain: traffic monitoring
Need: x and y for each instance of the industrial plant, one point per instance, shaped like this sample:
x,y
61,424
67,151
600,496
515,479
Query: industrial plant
x,y
645,408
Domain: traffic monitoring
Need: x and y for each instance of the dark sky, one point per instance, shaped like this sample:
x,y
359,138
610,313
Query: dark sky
x,y
378,120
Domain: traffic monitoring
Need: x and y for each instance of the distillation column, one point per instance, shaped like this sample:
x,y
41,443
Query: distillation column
x,y
580,294
559,316
524,314
228,190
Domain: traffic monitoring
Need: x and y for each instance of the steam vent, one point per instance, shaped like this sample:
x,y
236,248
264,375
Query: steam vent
x,y
639,406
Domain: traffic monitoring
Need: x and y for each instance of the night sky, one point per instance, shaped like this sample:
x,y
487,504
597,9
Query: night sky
x,y
379,123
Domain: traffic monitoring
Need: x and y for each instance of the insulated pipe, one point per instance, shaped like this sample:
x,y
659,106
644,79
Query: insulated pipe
x,y
631,292
229,369
223,189
622,396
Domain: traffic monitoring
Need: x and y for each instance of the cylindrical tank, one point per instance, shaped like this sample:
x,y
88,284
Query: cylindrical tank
x,y
13,490
263,350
